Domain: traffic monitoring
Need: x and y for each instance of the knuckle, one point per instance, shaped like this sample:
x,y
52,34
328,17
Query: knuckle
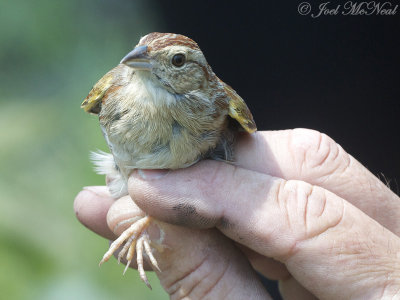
x,y
307,212
317,155
198,283
293,200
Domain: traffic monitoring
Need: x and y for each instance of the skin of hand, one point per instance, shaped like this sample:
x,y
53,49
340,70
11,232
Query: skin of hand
x,y
300,208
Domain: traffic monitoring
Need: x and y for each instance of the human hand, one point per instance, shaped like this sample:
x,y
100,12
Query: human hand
x,y
328,246
197,263
299,198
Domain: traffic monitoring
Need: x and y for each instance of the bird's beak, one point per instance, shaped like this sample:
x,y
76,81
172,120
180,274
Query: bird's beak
x,y
138,59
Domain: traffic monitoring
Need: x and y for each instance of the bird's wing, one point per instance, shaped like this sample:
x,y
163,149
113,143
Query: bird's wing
x,y
92,103
238,109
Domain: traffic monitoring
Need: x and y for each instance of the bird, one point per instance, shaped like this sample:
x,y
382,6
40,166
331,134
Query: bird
x,y
161,107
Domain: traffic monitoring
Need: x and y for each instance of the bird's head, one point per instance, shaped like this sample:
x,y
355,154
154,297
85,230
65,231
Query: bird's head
x,y
171,66
172,60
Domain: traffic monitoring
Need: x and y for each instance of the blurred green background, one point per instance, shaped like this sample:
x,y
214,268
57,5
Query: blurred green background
x,y
51,53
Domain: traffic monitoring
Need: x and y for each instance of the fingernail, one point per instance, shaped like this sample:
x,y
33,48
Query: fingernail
x,y
149,174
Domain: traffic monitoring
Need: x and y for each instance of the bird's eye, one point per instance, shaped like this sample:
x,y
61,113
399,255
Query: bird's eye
x,y
178,60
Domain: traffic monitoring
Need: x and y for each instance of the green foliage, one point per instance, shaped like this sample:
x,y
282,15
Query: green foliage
x,y
51,53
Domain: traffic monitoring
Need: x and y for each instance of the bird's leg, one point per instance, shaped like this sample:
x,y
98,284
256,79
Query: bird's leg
x,y
135,236
134,230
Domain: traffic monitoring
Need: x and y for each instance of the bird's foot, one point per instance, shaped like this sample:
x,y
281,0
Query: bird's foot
x,y
136,238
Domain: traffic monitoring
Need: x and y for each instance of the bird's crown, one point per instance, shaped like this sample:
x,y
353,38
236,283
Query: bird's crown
x,y
157,41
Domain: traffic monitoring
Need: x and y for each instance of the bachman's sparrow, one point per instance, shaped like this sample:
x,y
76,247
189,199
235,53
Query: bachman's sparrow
x,y
162,107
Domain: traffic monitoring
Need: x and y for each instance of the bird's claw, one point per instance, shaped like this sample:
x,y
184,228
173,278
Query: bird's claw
x,y
135,238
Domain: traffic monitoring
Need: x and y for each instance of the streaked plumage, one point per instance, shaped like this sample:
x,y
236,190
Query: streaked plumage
x,y
163,107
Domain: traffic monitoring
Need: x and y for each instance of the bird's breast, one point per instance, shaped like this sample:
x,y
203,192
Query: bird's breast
x,y
146,133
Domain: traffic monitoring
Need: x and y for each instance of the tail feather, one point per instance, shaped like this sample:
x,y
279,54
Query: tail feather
x,y
104,164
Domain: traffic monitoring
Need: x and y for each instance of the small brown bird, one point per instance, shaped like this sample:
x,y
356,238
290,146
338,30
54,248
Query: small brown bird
x,y
162,107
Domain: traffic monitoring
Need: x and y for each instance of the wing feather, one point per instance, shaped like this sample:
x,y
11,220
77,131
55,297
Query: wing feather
x,y
92,103
238,109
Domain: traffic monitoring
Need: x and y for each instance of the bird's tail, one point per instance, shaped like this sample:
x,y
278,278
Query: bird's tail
x,y
104,164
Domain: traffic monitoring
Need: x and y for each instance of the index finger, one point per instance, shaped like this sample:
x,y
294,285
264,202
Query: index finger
x,y
313,157
331,247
